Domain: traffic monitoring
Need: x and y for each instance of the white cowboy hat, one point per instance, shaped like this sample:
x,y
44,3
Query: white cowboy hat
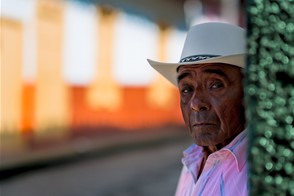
x,y
208,43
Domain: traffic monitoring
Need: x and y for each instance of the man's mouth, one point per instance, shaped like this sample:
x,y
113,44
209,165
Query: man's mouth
x,y
202,124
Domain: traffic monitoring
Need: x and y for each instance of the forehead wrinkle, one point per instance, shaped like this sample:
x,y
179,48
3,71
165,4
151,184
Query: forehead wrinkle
x,y
216,71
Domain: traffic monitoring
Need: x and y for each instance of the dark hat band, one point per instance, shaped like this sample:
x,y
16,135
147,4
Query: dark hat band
x,y
197,58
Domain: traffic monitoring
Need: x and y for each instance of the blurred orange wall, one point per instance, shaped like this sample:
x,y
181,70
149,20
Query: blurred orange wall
x,y
135,112
50,107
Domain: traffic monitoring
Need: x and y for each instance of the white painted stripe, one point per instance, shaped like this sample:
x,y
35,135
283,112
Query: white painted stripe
x,y
135,41
80,43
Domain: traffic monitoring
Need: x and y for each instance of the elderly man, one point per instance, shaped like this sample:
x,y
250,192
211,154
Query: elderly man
x,y
209,79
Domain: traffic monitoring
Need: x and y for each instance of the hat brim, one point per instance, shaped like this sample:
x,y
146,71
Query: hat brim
x,y
169,70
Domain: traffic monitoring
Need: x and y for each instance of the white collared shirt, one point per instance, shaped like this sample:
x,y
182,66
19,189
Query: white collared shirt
x,y
225,171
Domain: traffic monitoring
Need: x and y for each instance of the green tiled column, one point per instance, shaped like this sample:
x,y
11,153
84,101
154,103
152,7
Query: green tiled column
x,y
269,96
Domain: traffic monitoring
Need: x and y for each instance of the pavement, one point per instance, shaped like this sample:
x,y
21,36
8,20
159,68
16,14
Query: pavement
x,y
151,170
87,146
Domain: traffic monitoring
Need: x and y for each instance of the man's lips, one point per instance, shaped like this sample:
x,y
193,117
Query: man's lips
x,y
202,124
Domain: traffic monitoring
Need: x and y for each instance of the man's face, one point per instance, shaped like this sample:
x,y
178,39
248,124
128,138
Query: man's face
x,y
212,102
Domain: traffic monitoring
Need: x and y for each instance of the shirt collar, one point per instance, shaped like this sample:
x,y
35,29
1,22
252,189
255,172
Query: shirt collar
x,y
192,158
238,148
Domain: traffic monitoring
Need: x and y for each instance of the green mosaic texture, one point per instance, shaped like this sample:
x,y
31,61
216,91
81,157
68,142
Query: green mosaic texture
x,y
269,96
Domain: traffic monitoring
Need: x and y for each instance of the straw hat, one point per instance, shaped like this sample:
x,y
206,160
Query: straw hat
x,y
207,43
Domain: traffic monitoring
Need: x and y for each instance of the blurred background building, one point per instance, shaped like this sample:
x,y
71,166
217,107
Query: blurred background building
x,y
78,67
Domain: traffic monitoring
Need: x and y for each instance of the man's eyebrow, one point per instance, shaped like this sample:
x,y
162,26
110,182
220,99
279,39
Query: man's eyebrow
x,y
211,71
182,75
216,71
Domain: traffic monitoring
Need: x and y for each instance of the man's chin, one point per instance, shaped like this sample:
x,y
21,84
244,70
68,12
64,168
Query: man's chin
x,y
206,140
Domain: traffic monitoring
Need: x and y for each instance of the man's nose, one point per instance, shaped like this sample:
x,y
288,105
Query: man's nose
x,y
199,102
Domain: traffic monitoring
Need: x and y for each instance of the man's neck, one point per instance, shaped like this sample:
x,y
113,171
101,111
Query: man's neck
x,y
207,150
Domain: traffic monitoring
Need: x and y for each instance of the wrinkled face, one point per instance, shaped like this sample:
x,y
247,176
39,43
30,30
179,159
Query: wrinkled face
x,y
212,102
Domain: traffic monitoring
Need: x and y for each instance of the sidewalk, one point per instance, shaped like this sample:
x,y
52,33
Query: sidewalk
x,y
89,146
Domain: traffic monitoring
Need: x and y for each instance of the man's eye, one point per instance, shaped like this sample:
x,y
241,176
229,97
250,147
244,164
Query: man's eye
x,y
186,90
186,94
216,85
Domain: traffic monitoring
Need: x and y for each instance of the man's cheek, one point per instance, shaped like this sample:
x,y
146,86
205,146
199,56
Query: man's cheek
x,y
222,114
228,116
185,115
